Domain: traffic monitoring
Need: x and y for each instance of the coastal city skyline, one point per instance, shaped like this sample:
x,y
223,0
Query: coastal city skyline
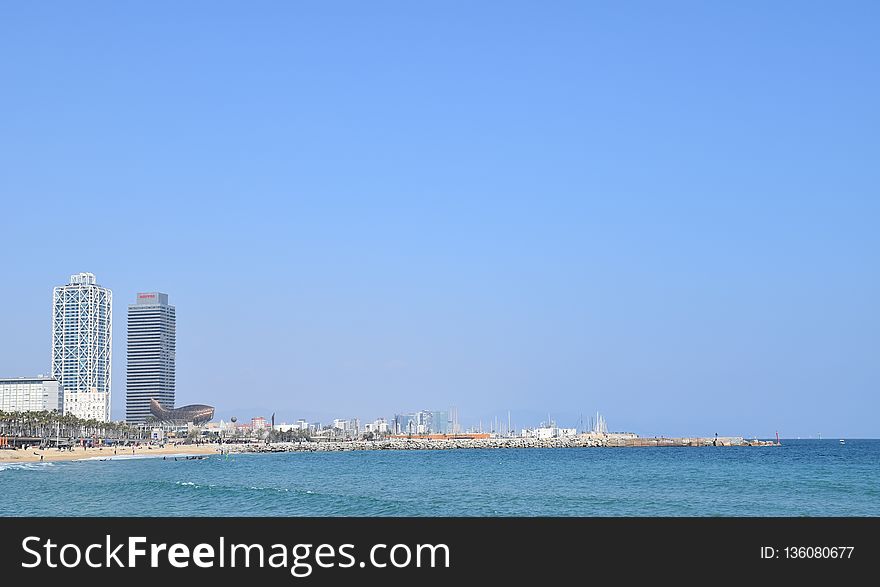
x,y
80,383
150,359
666,214
82,359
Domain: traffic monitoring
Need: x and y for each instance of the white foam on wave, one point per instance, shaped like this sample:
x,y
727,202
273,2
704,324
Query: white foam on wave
x,y
134,457
24,466
279,489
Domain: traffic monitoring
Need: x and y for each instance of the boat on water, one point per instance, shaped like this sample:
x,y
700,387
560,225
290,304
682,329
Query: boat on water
x,y
842,441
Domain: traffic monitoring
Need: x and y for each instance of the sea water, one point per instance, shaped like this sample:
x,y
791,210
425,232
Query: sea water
x,y
798,478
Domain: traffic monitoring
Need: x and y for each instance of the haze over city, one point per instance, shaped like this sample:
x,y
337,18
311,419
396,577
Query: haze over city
x,y
359,210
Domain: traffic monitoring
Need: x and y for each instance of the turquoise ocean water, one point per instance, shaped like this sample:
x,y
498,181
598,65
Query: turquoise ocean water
x,y
799,478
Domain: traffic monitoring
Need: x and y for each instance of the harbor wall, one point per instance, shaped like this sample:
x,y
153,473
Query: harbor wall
x,y
581,441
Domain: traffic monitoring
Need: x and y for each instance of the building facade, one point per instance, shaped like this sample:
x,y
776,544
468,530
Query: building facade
x,y
30,394
91,405
150,355
82,316
439,423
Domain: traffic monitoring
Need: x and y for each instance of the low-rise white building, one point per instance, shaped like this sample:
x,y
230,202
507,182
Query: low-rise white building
x,y
221,428
87,405
545,432
379,426
30,394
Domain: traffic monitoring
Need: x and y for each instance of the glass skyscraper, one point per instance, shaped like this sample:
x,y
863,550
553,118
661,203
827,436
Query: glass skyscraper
x,y
82,326
150,355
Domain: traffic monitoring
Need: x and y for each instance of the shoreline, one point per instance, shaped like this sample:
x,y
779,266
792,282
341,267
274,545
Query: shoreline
x,y
32,455
583,441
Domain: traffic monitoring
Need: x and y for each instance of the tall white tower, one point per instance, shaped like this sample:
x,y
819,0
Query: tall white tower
x,y
82,314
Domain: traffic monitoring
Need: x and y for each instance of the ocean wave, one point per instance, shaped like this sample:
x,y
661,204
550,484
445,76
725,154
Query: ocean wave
x,y
278,489
240,488
196,485
134,457
25,466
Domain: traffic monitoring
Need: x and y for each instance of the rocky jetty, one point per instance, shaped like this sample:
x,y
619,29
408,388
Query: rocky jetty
x,y
582,441
418,444
697,441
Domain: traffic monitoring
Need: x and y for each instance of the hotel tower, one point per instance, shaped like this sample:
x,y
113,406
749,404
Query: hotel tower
x,y
81,346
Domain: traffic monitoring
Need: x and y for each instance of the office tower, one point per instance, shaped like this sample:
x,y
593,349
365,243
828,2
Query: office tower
x,y
454,427
81,346
440,423
150,359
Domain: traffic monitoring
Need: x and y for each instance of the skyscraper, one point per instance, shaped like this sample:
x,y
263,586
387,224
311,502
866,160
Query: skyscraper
x,y
151,355
82,326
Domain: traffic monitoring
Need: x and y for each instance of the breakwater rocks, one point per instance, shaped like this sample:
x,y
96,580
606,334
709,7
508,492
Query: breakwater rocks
x,y
699,441
582,441
417,444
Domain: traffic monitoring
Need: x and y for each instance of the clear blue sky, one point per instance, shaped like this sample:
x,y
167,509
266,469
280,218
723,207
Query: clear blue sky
x,y
667,212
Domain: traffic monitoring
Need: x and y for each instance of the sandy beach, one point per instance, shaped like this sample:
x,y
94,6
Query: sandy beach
x,y
32,455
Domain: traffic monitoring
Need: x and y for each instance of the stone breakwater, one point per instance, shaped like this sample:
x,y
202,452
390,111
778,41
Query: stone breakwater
x,y
584,441
699,441
416,444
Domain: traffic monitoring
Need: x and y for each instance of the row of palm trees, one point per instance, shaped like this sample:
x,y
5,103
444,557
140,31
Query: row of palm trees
x,y
52,424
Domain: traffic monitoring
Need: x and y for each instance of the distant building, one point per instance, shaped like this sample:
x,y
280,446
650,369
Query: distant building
x,y
549,431
82,328
439,423
405,424
221,428
258,423
454,424
422,422
30,394
378,426
151,355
